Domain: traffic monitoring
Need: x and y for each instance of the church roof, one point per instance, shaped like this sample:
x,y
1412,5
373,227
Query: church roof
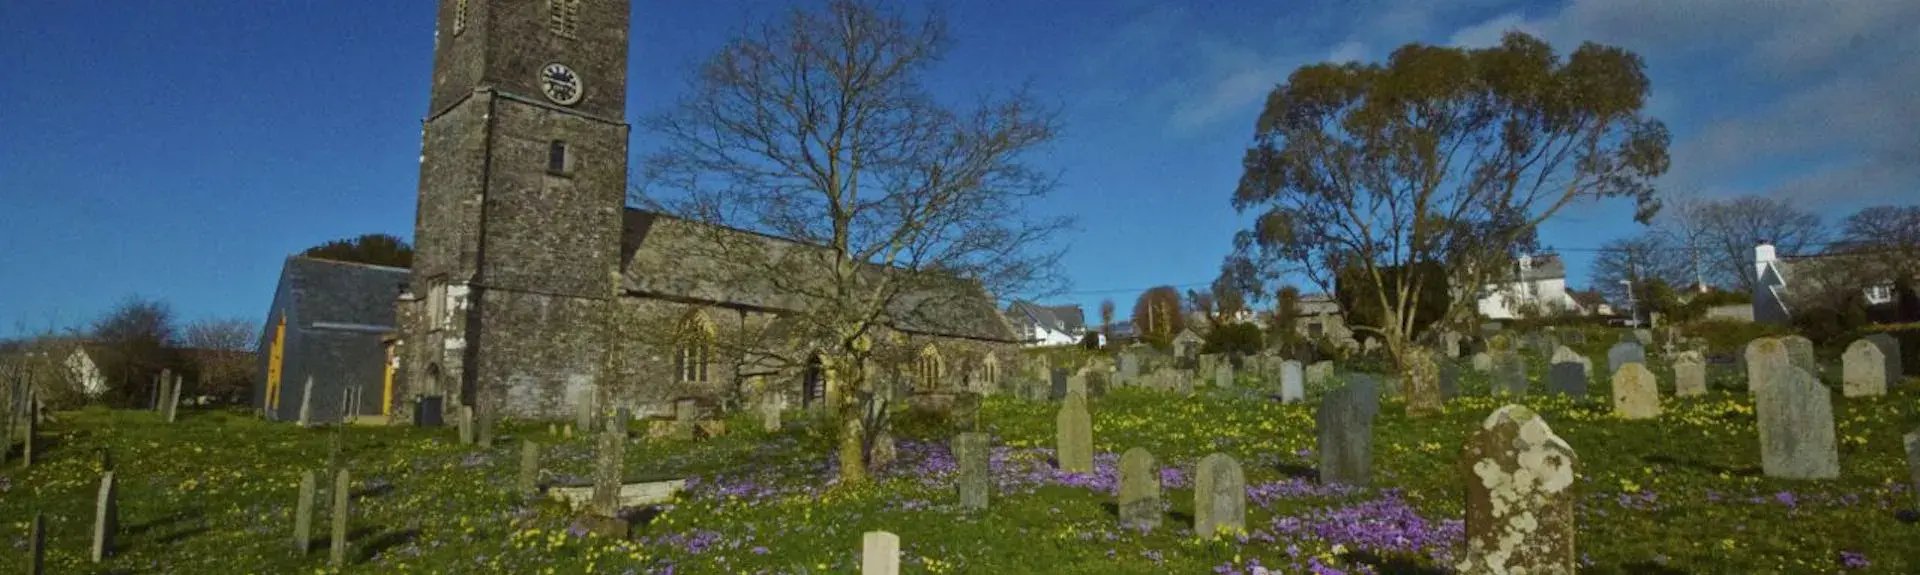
x,y
329,292
677,259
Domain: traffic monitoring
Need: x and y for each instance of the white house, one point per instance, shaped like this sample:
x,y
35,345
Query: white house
x,y
1039,325
1779,280
85,373
1539,280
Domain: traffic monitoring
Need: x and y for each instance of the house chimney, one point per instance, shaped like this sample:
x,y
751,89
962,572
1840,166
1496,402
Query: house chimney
x,y
1762,255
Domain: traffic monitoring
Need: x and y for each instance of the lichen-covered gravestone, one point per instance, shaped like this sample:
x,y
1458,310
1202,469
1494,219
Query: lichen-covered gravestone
x,y
342,500
466,424
1797,439
1223,374
1292,386
1863,370
528,481
1800,354
1689,374
1129,372
1890,349
1423,383
1449,380
1074,437
879,553
106,518
1219,496
1509,374
1139,490
1767,359
1624,353
1635,393
1344,427
1564,354
1482,362
1319,373
303,513
973,456
1567,378
1520,501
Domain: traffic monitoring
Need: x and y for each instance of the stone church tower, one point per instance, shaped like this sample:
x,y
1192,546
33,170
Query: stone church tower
x,y
523,169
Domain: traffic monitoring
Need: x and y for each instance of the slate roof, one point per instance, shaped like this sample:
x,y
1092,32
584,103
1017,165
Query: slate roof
x,y
662,256
1544,267
332,292
1067,319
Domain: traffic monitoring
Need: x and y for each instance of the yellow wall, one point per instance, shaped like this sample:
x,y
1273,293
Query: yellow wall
x,y
274,356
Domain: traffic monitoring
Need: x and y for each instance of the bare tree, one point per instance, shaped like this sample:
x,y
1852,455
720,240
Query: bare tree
x,y
1683,226
134,340
1638,259
817,128
220,351
1106,319
1886,236
1443,157
1734,226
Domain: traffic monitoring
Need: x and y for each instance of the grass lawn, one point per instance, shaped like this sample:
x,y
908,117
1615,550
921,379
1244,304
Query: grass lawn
x,y
214,493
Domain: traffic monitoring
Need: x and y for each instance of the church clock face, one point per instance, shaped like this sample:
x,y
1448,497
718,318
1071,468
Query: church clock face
x,y
561,84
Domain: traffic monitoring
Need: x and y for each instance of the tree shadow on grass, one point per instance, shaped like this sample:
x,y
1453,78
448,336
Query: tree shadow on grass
x,y
326,542
1297,471
374,491
1663,459
641,516
391,539
1391,566
1651,568
184,515
182,535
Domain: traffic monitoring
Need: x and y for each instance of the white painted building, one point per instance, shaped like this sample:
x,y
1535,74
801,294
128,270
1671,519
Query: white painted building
x,y
85,373
1041,326
1539,280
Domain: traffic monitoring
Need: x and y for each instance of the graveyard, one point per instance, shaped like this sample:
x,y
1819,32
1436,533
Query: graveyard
x,y
1680,489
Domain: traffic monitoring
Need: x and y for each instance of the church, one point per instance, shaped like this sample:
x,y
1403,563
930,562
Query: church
x,y
527,263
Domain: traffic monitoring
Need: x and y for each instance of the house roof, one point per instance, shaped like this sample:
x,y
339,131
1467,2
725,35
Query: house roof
x,y
1543,267
332,292
1060,318
678,259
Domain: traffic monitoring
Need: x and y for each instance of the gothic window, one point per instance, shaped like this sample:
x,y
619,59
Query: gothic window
x,y
928,368
436,304
558,163
563,17
459,16
695,351
990,371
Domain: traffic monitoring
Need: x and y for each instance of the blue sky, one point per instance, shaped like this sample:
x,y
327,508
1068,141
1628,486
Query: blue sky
x,y
182,149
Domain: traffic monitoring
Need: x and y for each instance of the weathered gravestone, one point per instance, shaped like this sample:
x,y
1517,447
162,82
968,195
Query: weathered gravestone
x,y
306,403
1482,362
161,385
1319,373
770,415
1643,336
1890,349
879,553
1509,374
686,416
1074,447
1567,378
1689,374
1423,383
1624,353
1077,383
1139,490
37,546
1520,501
172,406
342,498
1129,373
1449,380
973,455
1206,362
1344,428
1796,426
1059,380
106,518
465,422
1800,354
303,513
583,411
884,452
1219,497
1450,344
609,467
1564,354
1223,374
1863,370
30,433
528,482
1635,394
1912,440
1292,388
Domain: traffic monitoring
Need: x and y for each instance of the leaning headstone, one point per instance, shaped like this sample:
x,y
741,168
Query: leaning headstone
x,y
1423,383
306,403
1635,394
1567,378
303,513
1913,463
1139,490
1520,501
1292,388
1889,348
1689,374
973,456
529,479
466,424
1344,427
1074,448
1624,353
1219,496
1796,427
342,498
1509,374
1058,378
1863,370
106,518
37,546
879,553
172,407
1482,362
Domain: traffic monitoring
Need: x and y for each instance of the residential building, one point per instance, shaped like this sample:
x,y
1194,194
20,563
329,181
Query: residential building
x,y
1039,325
1536,282
1784,284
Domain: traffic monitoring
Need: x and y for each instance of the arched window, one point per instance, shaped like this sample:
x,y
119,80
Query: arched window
x,y
695,350
928,369
990,372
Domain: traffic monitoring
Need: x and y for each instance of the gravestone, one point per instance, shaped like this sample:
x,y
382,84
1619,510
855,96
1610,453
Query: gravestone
x,y
465,422
31,434
1643,336
342,501
1423,383
1912,440
1635,394
1796,427
1344,428
966,412
37,546
483,426
1059,381
1223,374
161,385
1449,380
1509,374
1482,362
1077,383
1689,374
172,410
1319,373
1890,349
1624,353
529,479
1450,344
106,518
1800,354
769,415
973,455
879,553
583,412
1863,370
1520,501
1219,497
1766,360
1129,373
303,513
1292,388
1567,378
1139,490
1074,438
1564,354
1205,363
686,414
306,403
608,470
